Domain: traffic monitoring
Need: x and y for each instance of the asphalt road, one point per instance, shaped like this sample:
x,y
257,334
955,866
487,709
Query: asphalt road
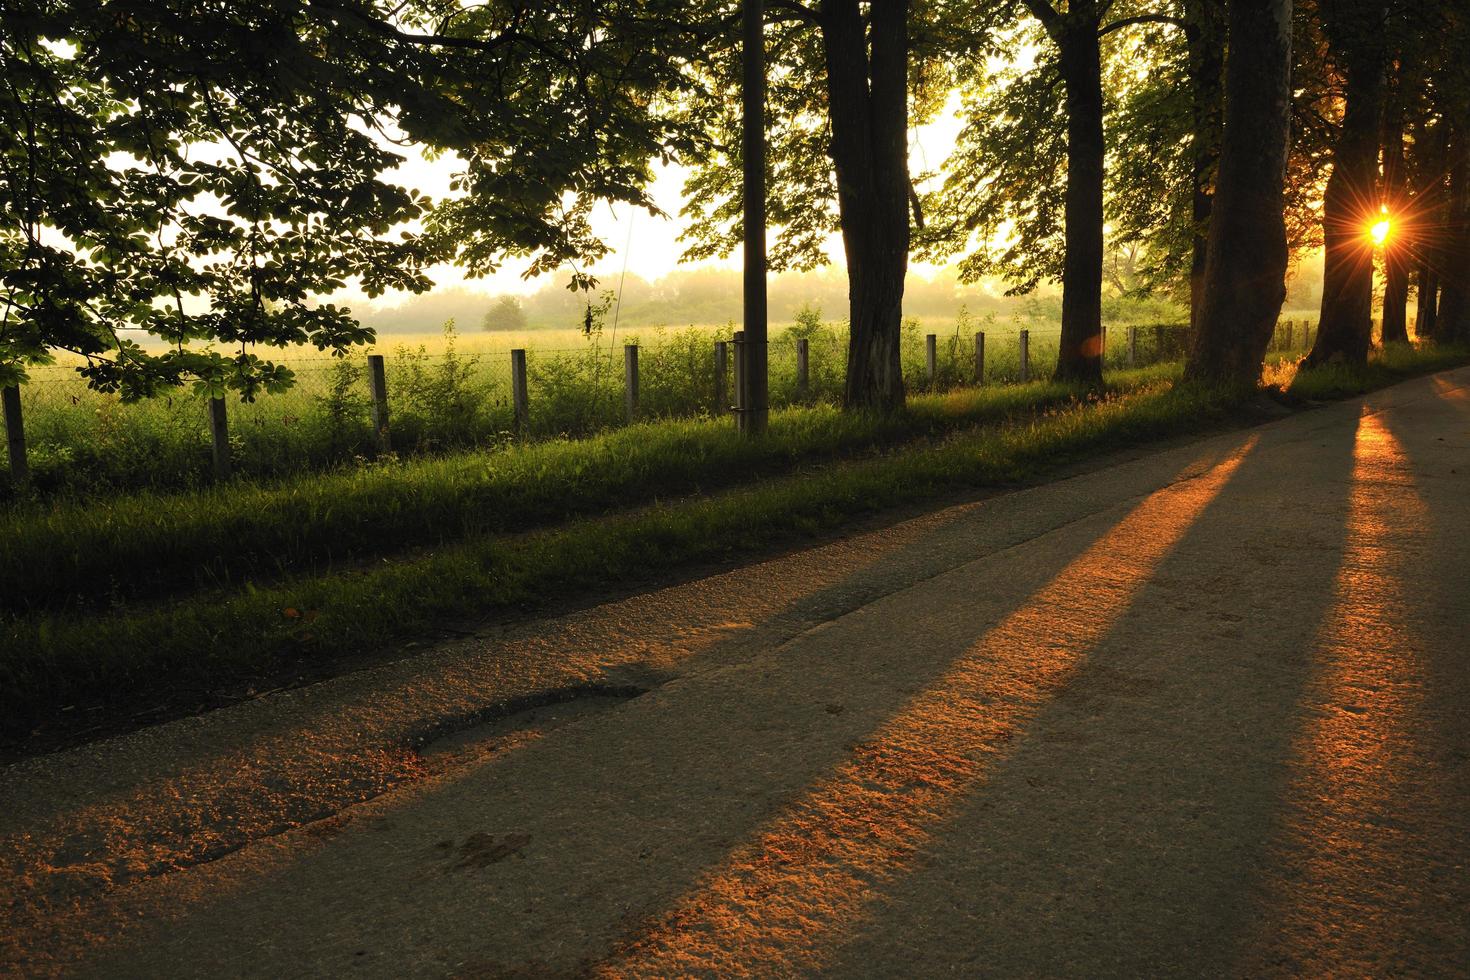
x,y
1205,712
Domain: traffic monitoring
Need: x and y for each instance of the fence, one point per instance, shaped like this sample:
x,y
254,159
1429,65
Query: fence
x,y
62,435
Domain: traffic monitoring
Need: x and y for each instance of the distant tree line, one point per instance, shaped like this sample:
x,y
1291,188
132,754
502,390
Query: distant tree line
x,y
205,171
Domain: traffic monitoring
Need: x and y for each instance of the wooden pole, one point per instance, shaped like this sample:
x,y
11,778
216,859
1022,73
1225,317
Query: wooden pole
x,y
722,362
378,382
931,357
219,430
739,341
15,436
630,381
1133,347
520,396
755,411
803,364
980,357
1025,356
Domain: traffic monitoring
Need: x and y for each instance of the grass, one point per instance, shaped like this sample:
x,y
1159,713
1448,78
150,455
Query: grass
x,y
447,396
185,649
52,661
150,544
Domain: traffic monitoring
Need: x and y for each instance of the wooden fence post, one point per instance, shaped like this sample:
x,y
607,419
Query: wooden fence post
x,y
931,357
630,381
722,361
15,436
520,397
1133,347
219,430
1025,356
739,341
980,357
378,382
803,364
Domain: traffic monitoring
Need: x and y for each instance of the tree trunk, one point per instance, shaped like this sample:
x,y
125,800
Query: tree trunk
x,y
1424,316
1205,38
1080,356
1396,248
1245,264
1344,330
1452,324
867,97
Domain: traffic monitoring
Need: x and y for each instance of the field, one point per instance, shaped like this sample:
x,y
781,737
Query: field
x,y
451,391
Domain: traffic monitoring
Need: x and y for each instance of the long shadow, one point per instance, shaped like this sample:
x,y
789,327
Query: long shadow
x,y
810,880
884,571
1123,835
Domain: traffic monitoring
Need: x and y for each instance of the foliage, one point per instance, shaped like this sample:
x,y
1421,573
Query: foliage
x,y
1000,205
506,313
200,172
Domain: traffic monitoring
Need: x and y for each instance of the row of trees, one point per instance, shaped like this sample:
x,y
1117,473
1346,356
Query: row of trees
x,y
205,170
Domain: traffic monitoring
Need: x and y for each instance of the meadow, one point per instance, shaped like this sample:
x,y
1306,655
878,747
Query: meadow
x,y
450,391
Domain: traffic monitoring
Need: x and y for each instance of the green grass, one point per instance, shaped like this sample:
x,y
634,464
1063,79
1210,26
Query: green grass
x,y
51,661
151,544
1389,364
446,397
196,644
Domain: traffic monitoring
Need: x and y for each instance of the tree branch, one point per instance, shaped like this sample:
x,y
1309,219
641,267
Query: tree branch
x,y
1116,25
794,11
1045,13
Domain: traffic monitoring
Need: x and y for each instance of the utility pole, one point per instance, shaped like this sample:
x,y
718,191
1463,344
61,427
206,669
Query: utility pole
x,y
754,377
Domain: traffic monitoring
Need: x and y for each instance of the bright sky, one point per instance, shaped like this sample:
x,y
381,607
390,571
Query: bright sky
x,y
655,248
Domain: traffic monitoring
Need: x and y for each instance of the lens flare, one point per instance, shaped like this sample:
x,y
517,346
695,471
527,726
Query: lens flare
x,y
1379,230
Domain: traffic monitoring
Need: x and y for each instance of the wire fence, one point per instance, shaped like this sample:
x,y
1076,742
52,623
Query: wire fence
x,y
441,400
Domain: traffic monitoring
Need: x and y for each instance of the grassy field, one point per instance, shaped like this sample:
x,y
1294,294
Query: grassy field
x,y
452,392
249,582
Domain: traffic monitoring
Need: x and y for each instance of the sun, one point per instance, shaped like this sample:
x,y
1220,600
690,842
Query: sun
x,y
1380,229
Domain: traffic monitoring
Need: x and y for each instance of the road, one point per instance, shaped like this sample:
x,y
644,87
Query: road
x,y
1202,712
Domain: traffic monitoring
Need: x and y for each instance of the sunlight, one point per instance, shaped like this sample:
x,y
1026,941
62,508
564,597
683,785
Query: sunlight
x,y
1379,231
1355,759
786,899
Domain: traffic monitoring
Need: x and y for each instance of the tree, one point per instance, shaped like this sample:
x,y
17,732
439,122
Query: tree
x,y
839,105
1021,131
506,313
1245,267
1396,247
201,172
1355,31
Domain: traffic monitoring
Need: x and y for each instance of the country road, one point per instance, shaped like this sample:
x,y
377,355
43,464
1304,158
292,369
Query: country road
x,y
1201,712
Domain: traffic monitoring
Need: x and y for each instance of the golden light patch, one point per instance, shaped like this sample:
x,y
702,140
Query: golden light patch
x,y
781,903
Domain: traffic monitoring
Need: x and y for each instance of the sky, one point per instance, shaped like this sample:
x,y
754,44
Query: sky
x,y
649,245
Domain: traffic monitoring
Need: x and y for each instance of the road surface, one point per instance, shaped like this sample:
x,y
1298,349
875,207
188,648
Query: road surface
x,y
1203,712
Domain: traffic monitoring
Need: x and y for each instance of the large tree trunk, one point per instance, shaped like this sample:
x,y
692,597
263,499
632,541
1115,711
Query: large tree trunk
x,y
1205,39
1396,248
867,92
1345,326
1427,284
1245,265
1453,323
1080,357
